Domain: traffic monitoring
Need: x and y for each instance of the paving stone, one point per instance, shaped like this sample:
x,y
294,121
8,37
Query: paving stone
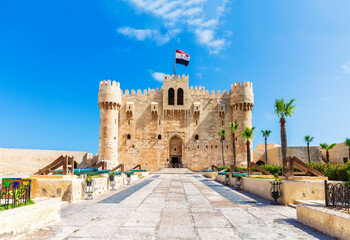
x,y
217,233
176,232
175,206
210,220
139,219
97,229
131,233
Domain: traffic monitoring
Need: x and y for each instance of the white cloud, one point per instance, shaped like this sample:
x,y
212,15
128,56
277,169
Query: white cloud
x,y
346,67
200,17
158,76
199,75
145,34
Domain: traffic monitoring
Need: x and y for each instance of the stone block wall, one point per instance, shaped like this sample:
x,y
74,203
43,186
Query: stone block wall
x,y
150,136
29,161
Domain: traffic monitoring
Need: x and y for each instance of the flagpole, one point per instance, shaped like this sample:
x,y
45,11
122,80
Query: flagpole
x,y
174,63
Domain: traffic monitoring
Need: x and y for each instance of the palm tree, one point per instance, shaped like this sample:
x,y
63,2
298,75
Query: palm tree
x,y
266,134
347,143
327,147
248,134
234,127
308,140
283,109
222,134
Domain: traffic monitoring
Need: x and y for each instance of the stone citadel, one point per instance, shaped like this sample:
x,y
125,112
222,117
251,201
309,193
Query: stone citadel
x,y
174,126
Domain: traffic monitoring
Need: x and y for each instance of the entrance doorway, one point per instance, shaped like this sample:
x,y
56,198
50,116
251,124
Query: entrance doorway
x,y
175,152
175,160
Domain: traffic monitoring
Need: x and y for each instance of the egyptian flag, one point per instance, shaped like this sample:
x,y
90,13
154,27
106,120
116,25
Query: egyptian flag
x,y
182,57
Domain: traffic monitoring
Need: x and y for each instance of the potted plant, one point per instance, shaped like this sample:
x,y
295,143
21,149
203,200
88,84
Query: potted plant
x,y
111,175
275,190
89,187
112,181
238,181
88,180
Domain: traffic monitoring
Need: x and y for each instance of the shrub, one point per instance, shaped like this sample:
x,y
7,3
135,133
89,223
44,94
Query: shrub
x,y
338,172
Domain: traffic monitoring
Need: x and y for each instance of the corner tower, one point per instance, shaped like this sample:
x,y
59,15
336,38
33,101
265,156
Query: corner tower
x,y
109,101
242,102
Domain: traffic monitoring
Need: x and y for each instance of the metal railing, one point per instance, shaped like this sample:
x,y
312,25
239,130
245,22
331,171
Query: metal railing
x,y
175,165
337,195
14,194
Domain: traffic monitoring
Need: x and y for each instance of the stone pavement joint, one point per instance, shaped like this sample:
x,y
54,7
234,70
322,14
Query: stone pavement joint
x,y
177,206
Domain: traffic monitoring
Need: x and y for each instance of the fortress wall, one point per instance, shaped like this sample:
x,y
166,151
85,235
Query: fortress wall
x,y
29,161
275,154
144,125
337,154
146,149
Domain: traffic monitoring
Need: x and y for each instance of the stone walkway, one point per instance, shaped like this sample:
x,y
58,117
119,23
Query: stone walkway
x,y
177,206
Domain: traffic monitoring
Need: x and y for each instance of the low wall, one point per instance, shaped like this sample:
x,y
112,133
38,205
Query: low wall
x,y
329,221
21,220
69,188
290,190
221,178
141,174
210,174
30,161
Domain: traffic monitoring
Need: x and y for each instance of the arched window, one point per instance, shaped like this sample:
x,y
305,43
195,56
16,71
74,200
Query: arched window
x,y
128,136
196,137
180,96
171,96
159,136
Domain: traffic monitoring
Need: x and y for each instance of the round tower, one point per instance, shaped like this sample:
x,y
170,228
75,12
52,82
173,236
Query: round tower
x,y
242,102
109,101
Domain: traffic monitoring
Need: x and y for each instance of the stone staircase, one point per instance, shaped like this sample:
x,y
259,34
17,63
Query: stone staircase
x,y
175,170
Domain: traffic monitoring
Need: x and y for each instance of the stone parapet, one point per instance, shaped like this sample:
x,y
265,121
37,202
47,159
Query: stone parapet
x,y
328,221
109,94
18,221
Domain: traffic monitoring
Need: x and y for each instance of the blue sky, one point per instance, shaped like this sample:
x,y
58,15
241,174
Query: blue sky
x,y
53,55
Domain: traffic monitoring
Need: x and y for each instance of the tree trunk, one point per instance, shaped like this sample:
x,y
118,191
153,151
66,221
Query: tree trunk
x,y
248,152
283,140
266,150
349,155
223,158
234,149
308,152
327,154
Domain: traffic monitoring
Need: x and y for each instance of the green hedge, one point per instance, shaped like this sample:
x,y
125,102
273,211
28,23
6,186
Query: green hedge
x,y
338,172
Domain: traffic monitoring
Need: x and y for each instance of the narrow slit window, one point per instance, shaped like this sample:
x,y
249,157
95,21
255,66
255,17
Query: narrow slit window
x,y
128,136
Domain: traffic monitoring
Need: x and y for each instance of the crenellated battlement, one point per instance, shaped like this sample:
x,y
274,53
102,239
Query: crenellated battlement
x,y
242,96
244,84
169,77
142,93
109,92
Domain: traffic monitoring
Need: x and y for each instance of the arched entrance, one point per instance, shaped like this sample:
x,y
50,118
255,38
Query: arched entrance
x,y
175,151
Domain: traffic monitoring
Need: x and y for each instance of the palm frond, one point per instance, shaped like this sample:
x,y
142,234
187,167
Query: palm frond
x,y
222,132
289,108
234,126
266,133
248,133
347,142
331,146
279,107
308,139
324,146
